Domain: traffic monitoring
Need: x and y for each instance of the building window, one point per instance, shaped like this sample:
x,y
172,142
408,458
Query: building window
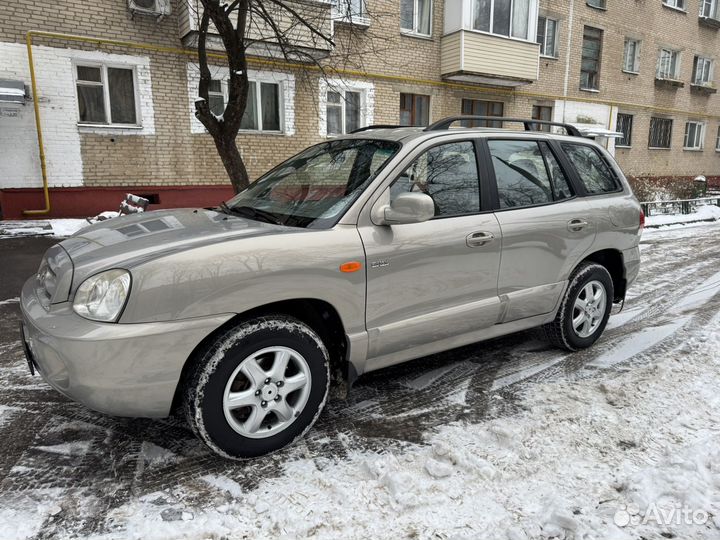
x,y
600,4
416,16
717,140
694,135
668,64
414,110
631,57
624,126
106,95
349,10
504,17
476,107
591,51
343,111
262,112
709,9
676,4
702,71
547,36
660,132
216,97
542,112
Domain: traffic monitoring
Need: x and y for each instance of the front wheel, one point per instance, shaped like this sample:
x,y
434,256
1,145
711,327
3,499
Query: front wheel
x,y
584,310
258,387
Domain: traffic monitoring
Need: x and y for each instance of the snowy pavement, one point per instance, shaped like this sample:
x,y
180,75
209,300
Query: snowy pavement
x,y
506,439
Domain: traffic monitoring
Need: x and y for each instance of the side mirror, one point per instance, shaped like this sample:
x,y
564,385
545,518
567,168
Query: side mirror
x,y
406,208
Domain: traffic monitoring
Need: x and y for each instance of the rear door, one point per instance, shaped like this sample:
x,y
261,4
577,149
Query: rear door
x,y
433,285
546,227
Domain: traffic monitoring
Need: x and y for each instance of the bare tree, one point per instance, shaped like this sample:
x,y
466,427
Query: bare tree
x,y
283,29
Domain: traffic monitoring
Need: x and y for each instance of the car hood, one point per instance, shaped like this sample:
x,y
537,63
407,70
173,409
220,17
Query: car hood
x,y
127,241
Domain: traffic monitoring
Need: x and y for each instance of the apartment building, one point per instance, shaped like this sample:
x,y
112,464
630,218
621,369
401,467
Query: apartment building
x,y
117,80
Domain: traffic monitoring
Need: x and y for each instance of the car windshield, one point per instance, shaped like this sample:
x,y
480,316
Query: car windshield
x,y
314,188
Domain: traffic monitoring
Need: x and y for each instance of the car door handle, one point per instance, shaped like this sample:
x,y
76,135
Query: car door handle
x,y
576,225
478,239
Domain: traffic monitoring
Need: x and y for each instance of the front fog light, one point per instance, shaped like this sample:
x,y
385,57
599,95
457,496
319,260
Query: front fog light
x,y
102,296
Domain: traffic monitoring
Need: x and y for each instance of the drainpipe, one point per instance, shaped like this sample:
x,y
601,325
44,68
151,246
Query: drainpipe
x,y
38,128
567,56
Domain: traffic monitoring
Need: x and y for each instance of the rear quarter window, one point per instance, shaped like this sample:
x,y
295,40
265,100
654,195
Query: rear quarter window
x,y
593,170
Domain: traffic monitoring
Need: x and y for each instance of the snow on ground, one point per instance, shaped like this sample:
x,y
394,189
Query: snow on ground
x,y
618,442
48,227
703,213
596,458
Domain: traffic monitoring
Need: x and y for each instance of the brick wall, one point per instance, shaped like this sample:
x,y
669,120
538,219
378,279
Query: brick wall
x,y
171,149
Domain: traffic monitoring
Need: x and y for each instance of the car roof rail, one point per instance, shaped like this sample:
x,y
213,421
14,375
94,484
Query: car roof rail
x,y
377,126
445,123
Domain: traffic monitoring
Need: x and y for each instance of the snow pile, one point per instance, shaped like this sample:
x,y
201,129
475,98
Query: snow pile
x,y
50,227
703,213
634,453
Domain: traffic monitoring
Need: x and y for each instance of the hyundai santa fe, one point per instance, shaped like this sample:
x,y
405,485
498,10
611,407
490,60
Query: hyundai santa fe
x,y
360,252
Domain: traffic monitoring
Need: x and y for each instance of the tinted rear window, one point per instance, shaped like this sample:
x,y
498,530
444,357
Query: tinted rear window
x,y
594,172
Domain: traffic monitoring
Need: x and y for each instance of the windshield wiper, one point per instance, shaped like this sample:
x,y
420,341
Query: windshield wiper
x,y
252,213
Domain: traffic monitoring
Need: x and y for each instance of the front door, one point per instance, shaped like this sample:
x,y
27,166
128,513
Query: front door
x,y
433,285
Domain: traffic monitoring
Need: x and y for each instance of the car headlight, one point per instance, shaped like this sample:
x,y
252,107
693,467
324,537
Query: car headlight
x,y
102,297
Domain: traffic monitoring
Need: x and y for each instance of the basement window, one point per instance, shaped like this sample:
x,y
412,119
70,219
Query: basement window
x,y
107,95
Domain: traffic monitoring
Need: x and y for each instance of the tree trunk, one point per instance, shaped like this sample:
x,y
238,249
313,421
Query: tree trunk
x,y
233,162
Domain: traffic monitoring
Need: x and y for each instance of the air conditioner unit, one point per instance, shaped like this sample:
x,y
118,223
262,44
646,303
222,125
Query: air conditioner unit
x,y
157,8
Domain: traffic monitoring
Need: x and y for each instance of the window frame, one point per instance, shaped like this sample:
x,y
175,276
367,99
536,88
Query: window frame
x,y
487,104
699,134
714,5
533,8
484,192
619,186
414,31
412,109
598,71
636,57
630,131
717,140
104,83
602,7
672,126
677,54
710,63
543,46
343,109
258,81
545,128
673,4
577,188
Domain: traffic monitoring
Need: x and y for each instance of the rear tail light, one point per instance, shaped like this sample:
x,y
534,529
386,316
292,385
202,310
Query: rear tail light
x,y
642,219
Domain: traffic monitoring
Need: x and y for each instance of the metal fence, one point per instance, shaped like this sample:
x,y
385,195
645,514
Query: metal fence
x,y
681,206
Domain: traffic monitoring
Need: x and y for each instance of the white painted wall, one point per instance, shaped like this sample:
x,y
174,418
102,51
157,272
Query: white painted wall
x,y
19,160
287,94
587,115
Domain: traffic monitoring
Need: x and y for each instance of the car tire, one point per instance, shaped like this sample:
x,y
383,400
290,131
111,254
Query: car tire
x,y
576,327
240,399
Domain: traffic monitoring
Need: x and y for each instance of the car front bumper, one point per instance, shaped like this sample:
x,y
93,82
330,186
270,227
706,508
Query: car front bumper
x,y
117,369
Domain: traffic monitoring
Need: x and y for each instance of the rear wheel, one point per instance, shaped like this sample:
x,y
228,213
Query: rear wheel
x,y
584,310
258,387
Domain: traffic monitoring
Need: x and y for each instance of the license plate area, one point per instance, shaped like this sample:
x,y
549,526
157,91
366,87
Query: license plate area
x,y
28,351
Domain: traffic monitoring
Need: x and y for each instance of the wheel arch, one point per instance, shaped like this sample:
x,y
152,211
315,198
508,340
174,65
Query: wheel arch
x,y
319,315
612,260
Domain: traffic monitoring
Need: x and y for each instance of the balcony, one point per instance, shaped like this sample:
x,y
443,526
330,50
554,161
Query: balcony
x,y
476,57
261,37
470,55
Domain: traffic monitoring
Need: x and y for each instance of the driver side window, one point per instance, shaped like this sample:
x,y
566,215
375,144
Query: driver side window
x,y
448,174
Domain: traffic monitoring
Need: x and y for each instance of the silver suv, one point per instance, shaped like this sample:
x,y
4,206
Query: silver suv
x,y
358,253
